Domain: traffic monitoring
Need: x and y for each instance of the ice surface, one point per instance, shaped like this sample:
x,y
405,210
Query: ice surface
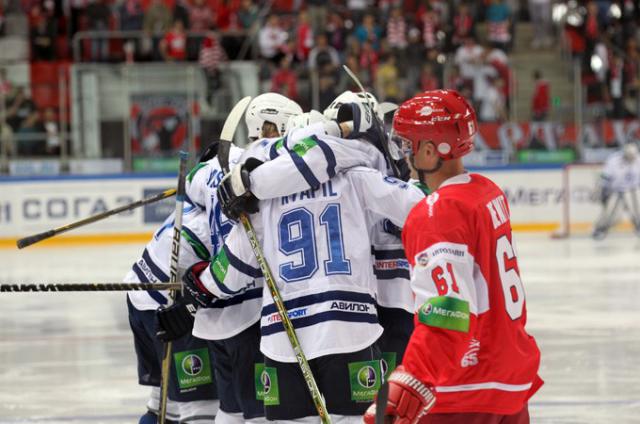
x,y
68,357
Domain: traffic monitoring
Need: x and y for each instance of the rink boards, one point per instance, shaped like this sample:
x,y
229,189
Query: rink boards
x,y
31,205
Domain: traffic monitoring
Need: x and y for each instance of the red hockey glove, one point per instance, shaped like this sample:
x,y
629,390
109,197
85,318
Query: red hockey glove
x,y
194,290
409,399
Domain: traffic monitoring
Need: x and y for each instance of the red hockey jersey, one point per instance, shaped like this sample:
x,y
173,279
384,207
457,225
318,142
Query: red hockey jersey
x,y
469,341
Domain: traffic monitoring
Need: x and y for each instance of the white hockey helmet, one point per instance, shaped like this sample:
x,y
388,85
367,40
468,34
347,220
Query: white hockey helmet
x,y
270,107
630,151
331,111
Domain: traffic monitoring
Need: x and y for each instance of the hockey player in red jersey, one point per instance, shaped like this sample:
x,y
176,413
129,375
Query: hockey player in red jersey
x,y
469,359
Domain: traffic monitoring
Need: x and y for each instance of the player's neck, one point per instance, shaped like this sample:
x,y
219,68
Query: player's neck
x,y
449,169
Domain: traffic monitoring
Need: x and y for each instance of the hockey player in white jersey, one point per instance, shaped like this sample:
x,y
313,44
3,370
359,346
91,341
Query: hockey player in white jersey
x,y
619,187
327,281
192,391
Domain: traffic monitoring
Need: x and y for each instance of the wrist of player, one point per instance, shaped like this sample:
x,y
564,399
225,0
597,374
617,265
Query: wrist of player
x,y
194,290
234,191
409,399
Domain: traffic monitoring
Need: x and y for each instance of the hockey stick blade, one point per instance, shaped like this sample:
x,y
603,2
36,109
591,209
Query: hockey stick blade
x,y
228,130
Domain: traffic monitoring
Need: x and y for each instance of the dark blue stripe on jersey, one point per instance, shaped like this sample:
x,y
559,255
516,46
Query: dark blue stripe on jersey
x,y
155,269
304,169
244,268
273,151
321,317
329,155
197,240
389,254
143,279
390,274
335,295
236,300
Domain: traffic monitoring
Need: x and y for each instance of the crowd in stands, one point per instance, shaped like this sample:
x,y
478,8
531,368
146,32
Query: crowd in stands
x,y
604,36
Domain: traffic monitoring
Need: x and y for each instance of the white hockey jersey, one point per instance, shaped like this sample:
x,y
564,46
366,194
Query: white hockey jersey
x,y
318,244
154,264
620,175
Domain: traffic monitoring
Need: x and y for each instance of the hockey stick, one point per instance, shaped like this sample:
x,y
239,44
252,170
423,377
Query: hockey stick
x,y
173,278
375,120
381,402
29,240
316,396
85,287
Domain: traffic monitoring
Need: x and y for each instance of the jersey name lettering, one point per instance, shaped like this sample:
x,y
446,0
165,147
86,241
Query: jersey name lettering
x,y
324,191
498,211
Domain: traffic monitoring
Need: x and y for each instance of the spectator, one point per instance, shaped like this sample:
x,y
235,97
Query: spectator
x,y
98,16
428,79
42,40
430,25
182,12
201,19
467,57
327,91
284,80
19,109
247,14
498,18
456,82
368,63
157,18
357,8
397,31
387,82
540,13
211,56
50,126
414,49
272,40
173,46
368,31
616,88
131,15
2,19
30,136
591,27
463,26
337,32
346,83
541,101
492,103
323,57
317,15
304,37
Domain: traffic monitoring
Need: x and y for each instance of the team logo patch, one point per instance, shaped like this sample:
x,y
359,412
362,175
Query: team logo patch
x,y
193,368
365,378
266,381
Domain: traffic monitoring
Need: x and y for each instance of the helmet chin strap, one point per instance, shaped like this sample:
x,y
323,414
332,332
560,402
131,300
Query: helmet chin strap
x,y
422,173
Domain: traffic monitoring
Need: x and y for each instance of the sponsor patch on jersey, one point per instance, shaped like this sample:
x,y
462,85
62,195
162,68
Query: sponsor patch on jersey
x,y
350,306
431,200
365,379
266,379
220,265
445,312
389,264
296,313
193,368
303,146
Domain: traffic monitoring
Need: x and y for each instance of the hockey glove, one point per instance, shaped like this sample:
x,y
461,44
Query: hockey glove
x,y
210,152
175,320
194,290
234,192
409,399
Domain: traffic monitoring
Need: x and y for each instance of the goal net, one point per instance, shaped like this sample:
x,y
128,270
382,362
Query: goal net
x,y
581,205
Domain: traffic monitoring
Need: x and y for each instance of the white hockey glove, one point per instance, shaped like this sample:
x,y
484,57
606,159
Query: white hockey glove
x,y
234,190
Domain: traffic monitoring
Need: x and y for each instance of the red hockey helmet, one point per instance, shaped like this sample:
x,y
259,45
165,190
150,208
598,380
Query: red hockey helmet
x,y
443,117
